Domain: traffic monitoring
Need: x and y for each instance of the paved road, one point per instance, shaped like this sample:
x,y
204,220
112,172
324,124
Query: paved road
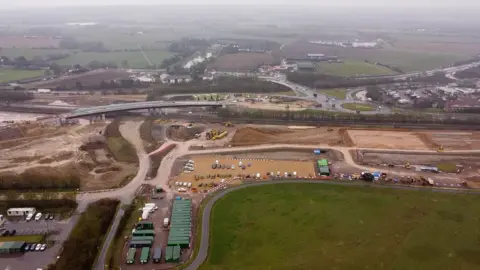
x,y
204,242
100,264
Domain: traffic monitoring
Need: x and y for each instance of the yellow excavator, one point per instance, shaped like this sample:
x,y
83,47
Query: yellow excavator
x,y
228,124
440,148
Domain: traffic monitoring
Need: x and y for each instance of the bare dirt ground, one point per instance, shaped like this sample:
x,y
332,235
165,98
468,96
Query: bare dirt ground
x,y
254,135
454,140
241,61
60,155
91,78
386,139
203,168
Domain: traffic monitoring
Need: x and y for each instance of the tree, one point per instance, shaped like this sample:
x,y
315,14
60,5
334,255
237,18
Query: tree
x,y
56,69
374,92
125,64
21,61
47,72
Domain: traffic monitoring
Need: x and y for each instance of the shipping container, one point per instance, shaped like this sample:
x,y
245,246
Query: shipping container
x,y
324,170
131,255
176,253
157,255
317,151
140,244
169,254
144,255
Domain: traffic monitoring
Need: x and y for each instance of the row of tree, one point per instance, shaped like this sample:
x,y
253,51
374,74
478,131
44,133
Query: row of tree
x,y
327,81
13,96
89,46
83,244
317,115
32,181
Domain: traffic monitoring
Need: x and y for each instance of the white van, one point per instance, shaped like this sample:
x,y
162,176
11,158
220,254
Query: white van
x,y
38,216
29,217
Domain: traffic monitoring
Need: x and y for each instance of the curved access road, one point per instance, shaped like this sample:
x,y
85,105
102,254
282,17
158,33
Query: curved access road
x,y
205,240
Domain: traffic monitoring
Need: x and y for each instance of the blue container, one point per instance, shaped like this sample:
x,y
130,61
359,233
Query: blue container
x,y
178,198
317,151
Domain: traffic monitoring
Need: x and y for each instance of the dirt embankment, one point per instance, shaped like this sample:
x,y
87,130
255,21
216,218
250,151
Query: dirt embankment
x,y
278,135
182,133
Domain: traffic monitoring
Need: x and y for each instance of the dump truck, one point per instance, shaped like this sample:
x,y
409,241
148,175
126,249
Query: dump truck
x,y
144,255
131,255
220,136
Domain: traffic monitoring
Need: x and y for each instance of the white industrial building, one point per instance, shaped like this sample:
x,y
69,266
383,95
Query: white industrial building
x,y
22,211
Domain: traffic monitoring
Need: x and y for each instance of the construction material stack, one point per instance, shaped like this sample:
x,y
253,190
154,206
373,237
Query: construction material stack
x,y
323,168
180,224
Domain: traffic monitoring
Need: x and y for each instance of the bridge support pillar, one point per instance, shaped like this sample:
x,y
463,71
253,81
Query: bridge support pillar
x,y
103,117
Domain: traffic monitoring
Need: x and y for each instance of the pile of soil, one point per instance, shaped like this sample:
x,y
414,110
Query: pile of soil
x,y
181,133
255,136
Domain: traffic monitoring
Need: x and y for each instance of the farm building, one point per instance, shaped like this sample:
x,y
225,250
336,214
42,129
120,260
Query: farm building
x,y
181,224
305,66
23,211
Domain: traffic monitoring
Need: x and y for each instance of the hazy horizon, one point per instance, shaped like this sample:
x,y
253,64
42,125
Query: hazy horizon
x,y
320,3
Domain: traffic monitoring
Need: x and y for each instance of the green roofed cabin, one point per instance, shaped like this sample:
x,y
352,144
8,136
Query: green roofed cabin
x,y
322,162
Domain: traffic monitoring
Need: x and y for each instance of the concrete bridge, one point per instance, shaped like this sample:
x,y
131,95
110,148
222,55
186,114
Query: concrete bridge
x,y
102,110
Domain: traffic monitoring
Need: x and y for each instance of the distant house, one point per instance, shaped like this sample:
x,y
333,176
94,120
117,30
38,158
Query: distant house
x,y
145,79
175,79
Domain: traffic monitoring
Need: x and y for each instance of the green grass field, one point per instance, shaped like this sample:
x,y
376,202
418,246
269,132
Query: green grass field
x,y
310,226
30,53
338,93
358,107
135,59
9,75
26,238
353,68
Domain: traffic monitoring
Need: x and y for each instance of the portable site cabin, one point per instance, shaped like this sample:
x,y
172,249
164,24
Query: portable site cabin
x,y
131,255
157,255
176,253
322,162
12,247
144,255
21,211
144,225
140,244
143,233
324,170
142,238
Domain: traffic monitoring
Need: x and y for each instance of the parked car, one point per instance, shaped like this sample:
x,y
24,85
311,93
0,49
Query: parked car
x,y
32,247
47,216
43,247
13,232
38,216
29,217
27,247
50,217
38,247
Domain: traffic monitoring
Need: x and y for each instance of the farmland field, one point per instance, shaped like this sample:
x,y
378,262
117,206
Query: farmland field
x,y
353,68
8,75
311,226
241,61
135,59
30,53
406,60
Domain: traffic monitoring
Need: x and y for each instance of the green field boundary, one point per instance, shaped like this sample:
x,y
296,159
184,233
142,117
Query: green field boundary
x,y
26,238
358,107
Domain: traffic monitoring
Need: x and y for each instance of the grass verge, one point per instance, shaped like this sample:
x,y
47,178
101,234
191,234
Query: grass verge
x,y
338,93
353,68
358,107
149,143
115,251
26,238
343,227
118,147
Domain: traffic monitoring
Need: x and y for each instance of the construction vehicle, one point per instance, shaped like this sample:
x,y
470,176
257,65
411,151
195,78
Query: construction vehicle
x,y
220,136
228,124
440,148
211,133
407,165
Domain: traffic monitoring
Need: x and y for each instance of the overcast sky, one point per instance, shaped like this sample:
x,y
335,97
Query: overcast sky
x,y
432,3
